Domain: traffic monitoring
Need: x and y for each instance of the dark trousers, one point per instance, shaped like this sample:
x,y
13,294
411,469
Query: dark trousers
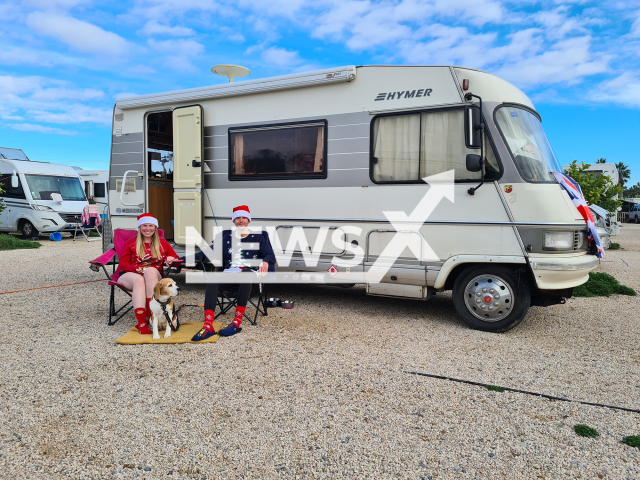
x,y
211,294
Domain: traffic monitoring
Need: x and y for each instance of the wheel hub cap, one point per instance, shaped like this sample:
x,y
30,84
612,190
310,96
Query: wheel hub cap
x,y
489,298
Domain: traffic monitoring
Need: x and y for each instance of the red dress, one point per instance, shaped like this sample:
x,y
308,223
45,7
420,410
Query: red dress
x,y
130,262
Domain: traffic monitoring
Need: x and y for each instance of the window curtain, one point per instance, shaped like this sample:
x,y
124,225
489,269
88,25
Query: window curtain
x,y
238,151
443,145
317,166
397,148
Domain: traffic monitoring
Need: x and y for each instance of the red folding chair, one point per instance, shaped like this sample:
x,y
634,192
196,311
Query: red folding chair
x,y
110,258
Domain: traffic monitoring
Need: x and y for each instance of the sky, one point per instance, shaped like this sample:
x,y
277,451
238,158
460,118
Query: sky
x,y
63,63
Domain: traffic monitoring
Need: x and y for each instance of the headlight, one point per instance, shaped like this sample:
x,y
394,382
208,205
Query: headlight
x,y
558,240
42,207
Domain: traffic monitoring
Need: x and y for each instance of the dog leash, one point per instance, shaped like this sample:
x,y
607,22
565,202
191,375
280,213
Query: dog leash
x,y
166,315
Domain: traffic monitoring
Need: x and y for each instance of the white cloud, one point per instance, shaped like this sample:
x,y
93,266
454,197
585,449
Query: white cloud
x,y
567,61
623,90
79,35
635,27
31,127
152,27
51,101
280,57
77,94
178,53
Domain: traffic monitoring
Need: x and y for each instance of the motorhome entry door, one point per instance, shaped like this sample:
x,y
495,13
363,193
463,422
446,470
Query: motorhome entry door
x,y
187,174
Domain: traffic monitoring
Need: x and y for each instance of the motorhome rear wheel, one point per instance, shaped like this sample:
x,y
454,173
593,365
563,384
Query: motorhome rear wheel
x,y
28,230
492,299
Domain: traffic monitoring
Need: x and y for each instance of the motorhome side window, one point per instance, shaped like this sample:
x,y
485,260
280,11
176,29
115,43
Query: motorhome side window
x,y
8,191
406,148
100,190
278,151
528,144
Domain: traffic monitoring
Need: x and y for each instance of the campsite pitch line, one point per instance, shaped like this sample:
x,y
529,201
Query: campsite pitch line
x,y
550,397
55,286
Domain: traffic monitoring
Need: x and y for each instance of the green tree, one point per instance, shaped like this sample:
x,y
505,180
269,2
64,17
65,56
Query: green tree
x,y
632,192
601,160
598,189
624,173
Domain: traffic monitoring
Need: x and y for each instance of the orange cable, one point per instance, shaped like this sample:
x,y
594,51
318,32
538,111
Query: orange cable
x,y
54,286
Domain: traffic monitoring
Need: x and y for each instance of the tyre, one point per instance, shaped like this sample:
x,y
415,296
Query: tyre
x,y
491,299
28,230
636,221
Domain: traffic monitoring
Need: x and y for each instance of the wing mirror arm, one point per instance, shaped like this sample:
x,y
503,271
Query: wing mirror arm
x,y
474,163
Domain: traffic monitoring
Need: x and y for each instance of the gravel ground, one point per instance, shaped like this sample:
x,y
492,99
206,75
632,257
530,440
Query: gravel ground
x,y
319,391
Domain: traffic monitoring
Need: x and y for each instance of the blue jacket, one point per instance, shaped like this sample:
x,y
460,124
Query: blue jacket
x,y
265,253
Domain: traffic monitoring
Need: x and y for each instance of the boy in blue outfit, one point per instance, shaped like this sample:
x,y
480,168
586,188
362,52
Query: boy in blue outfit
x,y
235,258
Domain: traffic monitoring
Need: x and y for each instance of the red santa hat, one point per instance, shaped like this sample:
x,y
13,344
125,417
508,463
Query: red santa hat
x,y
147,218
241,211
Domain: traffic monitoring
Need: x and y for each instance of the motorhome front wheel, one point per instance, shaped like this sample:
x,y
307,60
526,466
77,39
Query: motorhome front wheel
x,y
28,230
492,299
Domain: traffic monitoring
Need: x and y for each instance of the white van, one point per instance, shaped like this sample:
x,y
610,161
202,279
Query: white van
x,y
38,196
340,147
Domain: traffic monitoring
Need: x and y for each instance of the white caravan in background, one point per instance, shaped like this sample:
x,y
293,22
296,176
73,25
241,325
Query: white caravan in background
x,y
38,196
96,186
338,147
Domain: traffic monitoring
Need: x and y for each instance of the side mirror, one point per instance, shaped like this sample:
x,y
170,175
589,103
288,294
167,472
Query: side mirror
x,y
56,197
472,127
14,180
474,162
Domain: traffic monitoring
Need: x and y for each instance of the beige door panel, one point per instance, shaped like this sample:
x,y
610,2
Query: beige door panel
x,y
187,147
187,209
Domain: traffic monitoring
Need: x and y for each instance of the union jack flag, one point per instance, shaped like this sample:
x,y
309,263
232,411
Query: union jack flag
x,y
575,193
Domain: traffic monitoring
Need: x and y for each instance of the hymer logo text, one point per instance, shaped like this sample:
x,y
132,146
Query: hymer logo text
x,y
423,92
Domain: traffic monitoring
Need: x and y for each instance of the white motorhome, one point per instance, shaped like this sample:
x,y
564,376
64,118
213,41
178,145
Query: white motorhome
x,y
339,147
38,196
96,186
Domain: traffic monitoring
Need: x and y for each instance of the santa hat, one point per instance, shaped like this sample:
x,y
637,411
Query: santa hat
x,y
147,218
241,211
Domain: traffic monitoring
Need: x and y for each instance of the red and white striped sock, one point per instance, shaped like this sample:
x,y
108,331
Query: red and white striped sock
x,y
237,320
208,320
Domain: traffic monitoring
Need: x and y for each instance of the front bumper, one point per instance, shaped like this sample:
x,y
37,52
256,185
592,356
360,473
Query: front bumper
x,y
556,273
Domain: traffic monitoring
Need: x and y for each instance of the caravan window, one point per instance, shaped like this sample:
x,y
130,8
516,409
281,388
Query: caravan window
x,y
281,151
99,190
406,148
8,191
42,186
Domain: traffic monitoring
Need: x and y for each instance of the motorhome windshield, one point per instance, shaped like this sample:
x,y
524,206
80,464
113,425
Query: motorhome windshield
x,y
528,144
42,186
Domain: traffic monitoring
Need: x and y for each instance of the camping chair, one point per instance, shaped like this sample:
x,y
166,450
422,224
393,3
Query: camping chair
x,y
110,258
227,293
90,222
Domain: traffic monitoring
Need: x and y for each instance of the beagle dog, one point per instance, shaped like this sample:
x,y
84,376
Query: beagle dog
x,y
162,302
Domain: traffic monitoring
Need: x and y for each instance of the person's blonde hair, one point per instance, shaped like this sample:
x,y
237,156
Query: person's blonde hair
x,y
154,245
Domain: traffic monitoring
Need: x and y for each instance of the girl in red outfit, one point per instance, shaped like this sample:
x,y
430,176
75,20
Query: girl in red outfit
x,y
141,267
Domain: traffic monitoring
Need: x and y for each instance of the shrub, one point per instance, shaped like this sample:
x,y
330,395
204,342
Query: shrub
x,y
494,388
602,284
8,242
586,431
632,441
